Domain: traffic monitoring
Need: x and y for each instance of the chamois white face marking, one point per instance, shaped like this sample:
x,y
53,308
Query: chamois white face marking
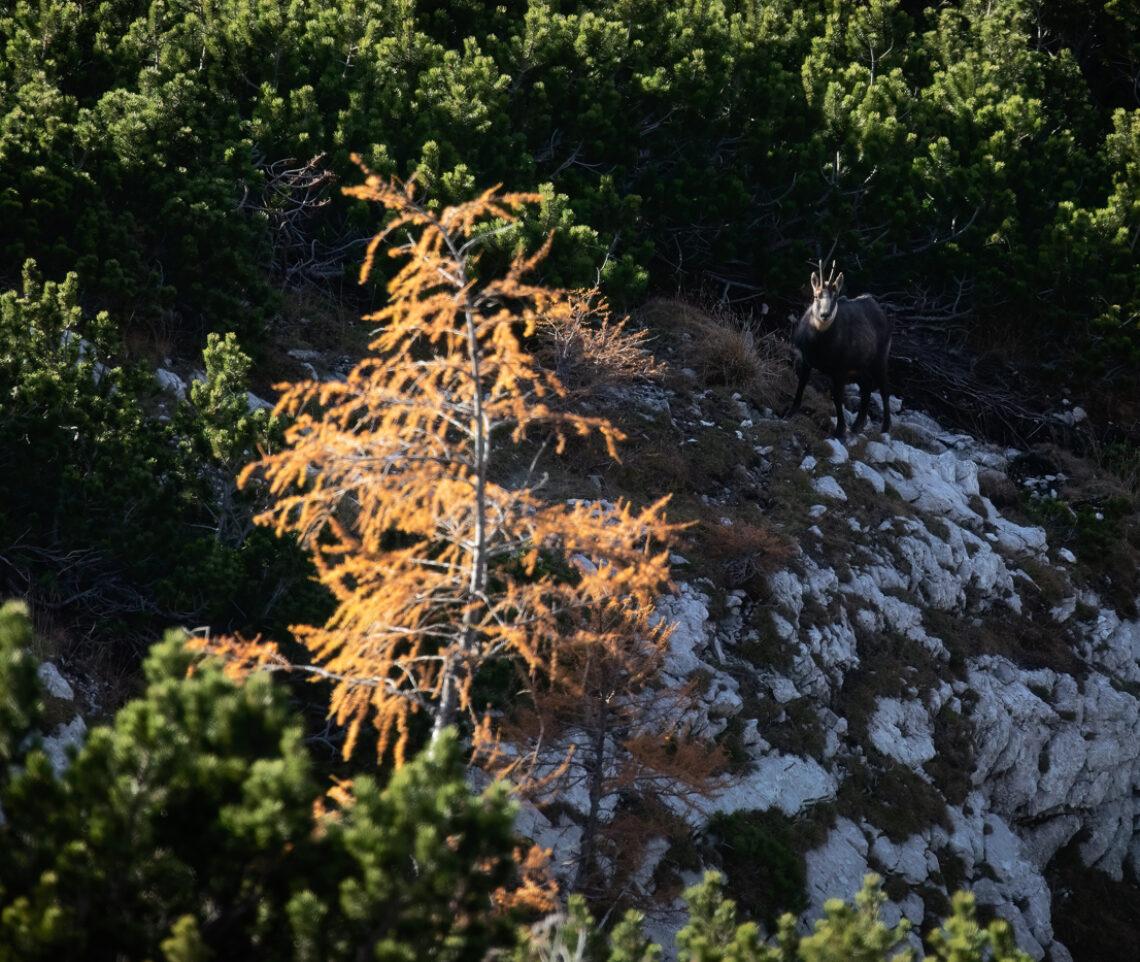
x,y
824,307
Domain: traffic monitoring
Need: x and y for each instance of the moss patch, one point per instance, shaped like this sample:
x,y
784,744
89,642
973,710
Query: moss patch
x,y
1095,917
897,801
764,866
1030,640
954,755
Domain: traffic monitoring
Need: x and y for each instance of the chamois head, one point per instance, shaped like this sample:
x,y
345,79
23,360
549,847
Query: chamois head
x,y
825,304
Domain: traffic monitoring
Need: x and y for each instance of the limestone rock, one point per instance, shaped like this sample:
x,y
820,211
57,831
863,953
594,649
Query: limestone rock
x,y
785,782
903,730
836,869
64,737
54,683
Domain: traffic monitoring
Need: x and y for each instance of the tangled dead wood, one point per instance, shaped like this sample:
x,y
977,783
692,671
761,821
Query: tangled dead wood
x,y
985,395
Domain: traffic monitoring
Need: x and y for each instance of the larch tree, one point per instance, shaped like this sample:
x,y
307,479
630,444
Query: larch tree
x,y
613,733
388,477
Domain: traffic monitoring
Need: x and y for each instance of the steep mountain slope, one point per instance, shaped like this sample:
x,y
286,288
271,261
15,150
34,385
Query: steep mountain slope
x,y
909,678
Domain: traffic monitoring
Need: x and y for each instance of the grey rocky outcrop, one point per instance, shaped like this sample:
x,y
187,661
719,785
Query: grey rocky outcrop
x,y
1054,751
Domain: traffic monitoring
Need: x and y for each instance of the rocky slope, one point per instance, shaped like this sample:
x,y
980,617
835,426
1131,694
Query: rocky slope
x,y
928,687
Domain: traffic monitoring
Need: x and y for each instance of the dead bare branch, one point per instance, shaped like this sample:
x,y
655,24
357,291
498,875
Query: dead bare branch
x,y
293,197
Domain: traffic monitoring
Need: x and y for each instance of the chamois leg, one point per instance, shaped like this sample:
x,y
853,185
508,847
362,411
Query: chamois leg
x,y
885,392
864,405
840,417
805,373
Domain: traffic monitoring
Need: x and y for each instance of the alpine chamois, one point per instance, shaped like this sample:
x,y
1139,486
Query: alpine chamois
x,y
846,339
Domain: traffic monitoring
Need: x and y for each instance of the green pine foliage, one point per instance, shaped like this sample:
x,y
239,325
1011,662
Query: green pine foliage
x,y
190,801
193,827
78,453
848,932
455,850
142,142
233,431
186,830
113,509
20,705
757,857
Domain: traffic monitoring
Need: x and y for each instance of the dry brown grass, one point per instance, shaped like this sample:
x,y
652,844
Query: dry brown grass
x,y
720,346
744,550
312,320
152,340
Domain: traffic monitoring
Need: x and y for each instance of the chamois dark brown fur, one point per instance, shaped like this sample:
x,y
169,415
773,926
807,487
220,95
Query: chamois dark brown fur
x,y
848,340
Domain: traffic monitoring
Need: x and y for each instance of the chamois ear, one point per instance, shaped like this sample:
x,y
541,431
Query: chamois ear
x,y
816,286
839,283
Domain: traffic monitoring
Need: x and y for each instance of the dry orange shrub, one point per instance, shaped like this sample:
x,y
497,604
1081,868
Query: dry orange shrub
x,y
745,549
589,351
